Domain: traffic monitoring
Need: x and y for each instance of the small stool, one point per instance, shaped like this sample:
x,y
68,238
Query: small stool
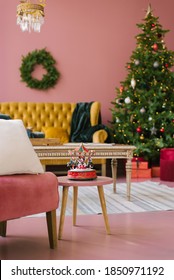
x,y
167,164
66,183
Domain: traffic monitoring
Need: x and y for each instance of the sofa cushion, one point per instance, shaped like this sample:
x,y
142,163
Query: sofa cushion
x,y
56,132
17,155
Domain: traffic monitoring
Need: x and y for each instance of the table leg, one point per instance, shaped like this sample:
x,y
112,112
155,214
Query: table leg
x,y
128,177
114,172
103,206
75,195
63,209
103,168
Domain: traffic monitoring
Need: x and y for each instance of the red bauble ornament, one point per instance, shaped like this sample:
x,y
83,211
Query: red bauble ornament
x,y
173,120
166,65
153,25
155,47
162,129
128,66
139,129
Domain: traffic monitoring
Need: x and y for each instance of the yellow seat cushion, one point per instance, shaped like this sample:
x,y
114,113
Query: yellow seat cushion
x,y
56,132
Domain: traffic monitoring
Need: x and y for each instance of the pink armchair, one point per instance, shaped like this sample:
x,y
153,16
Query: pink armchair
x,y
28,194
25,189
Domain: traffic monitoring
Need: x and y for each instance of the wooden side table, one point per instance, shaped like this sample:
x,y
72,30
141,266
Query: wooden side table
x,y
66,183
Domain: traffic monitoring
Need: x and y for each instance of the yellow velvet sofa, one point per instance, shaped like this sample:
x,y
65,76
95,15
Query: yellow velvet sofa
x,y
54,119
41,116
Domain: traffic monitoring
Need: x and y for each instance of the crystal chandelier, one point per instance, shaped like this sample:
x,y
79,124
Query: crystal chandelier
x,y
30,16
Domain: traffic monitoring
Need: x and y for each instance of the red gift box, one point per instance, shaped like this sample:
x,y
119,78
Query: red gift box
x,y
141,173
155,171
167,164
140,165
138,159
167,154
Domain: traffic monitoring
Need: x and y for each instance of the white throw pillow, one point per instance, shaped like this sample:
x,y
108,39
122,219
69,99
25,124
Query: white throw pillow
x,y
17,155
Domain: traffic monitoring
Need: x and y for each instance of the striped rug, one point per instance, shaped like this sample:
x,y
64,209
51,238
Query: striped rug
x,y
145,196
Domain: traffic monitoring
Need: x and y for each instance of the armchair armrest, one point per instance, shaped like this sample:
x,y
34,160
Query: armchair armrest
x,y
100,136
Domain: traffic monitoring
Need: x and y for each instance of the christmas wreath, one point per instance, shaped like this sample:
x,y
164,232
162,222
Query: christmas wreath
x,y
45,59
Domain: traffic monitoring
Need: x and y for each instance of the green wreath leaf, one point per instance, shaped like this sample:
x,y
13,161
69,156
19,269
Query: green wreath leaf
x,y
29,62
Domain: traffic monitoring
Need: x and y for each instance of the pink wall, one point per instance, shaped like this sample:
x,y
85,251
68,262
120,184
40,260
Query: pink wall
x,y
91,41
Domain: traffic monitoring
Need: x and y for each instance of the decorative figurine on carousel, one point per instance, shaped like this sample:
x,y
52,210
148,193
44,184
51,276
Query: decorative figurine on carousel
x,y
81,165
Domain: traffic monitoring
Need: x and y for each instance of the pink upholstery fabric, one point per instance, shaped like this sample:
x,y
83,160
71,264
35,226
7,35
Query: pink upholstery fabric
x,y
22,195
167,154
167,164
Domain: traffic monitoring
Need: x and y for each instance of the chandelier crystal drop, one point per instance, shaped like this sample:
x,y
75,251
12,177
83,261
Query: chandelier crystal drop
x,y
30,16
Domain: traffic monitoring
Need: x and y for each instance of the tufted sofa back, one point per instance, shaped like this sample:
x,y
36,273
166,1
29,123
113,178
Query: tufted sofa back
x,y
38,115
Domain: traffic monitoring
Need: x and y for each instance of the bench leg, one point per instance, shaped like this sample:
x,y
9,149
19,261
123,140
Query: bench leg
x,y
63,210
3,228
103,206
52,228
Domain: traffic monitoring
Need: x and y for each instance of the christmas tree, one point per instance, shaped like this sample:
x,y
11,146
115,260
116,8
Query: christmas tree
x,y
143,110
